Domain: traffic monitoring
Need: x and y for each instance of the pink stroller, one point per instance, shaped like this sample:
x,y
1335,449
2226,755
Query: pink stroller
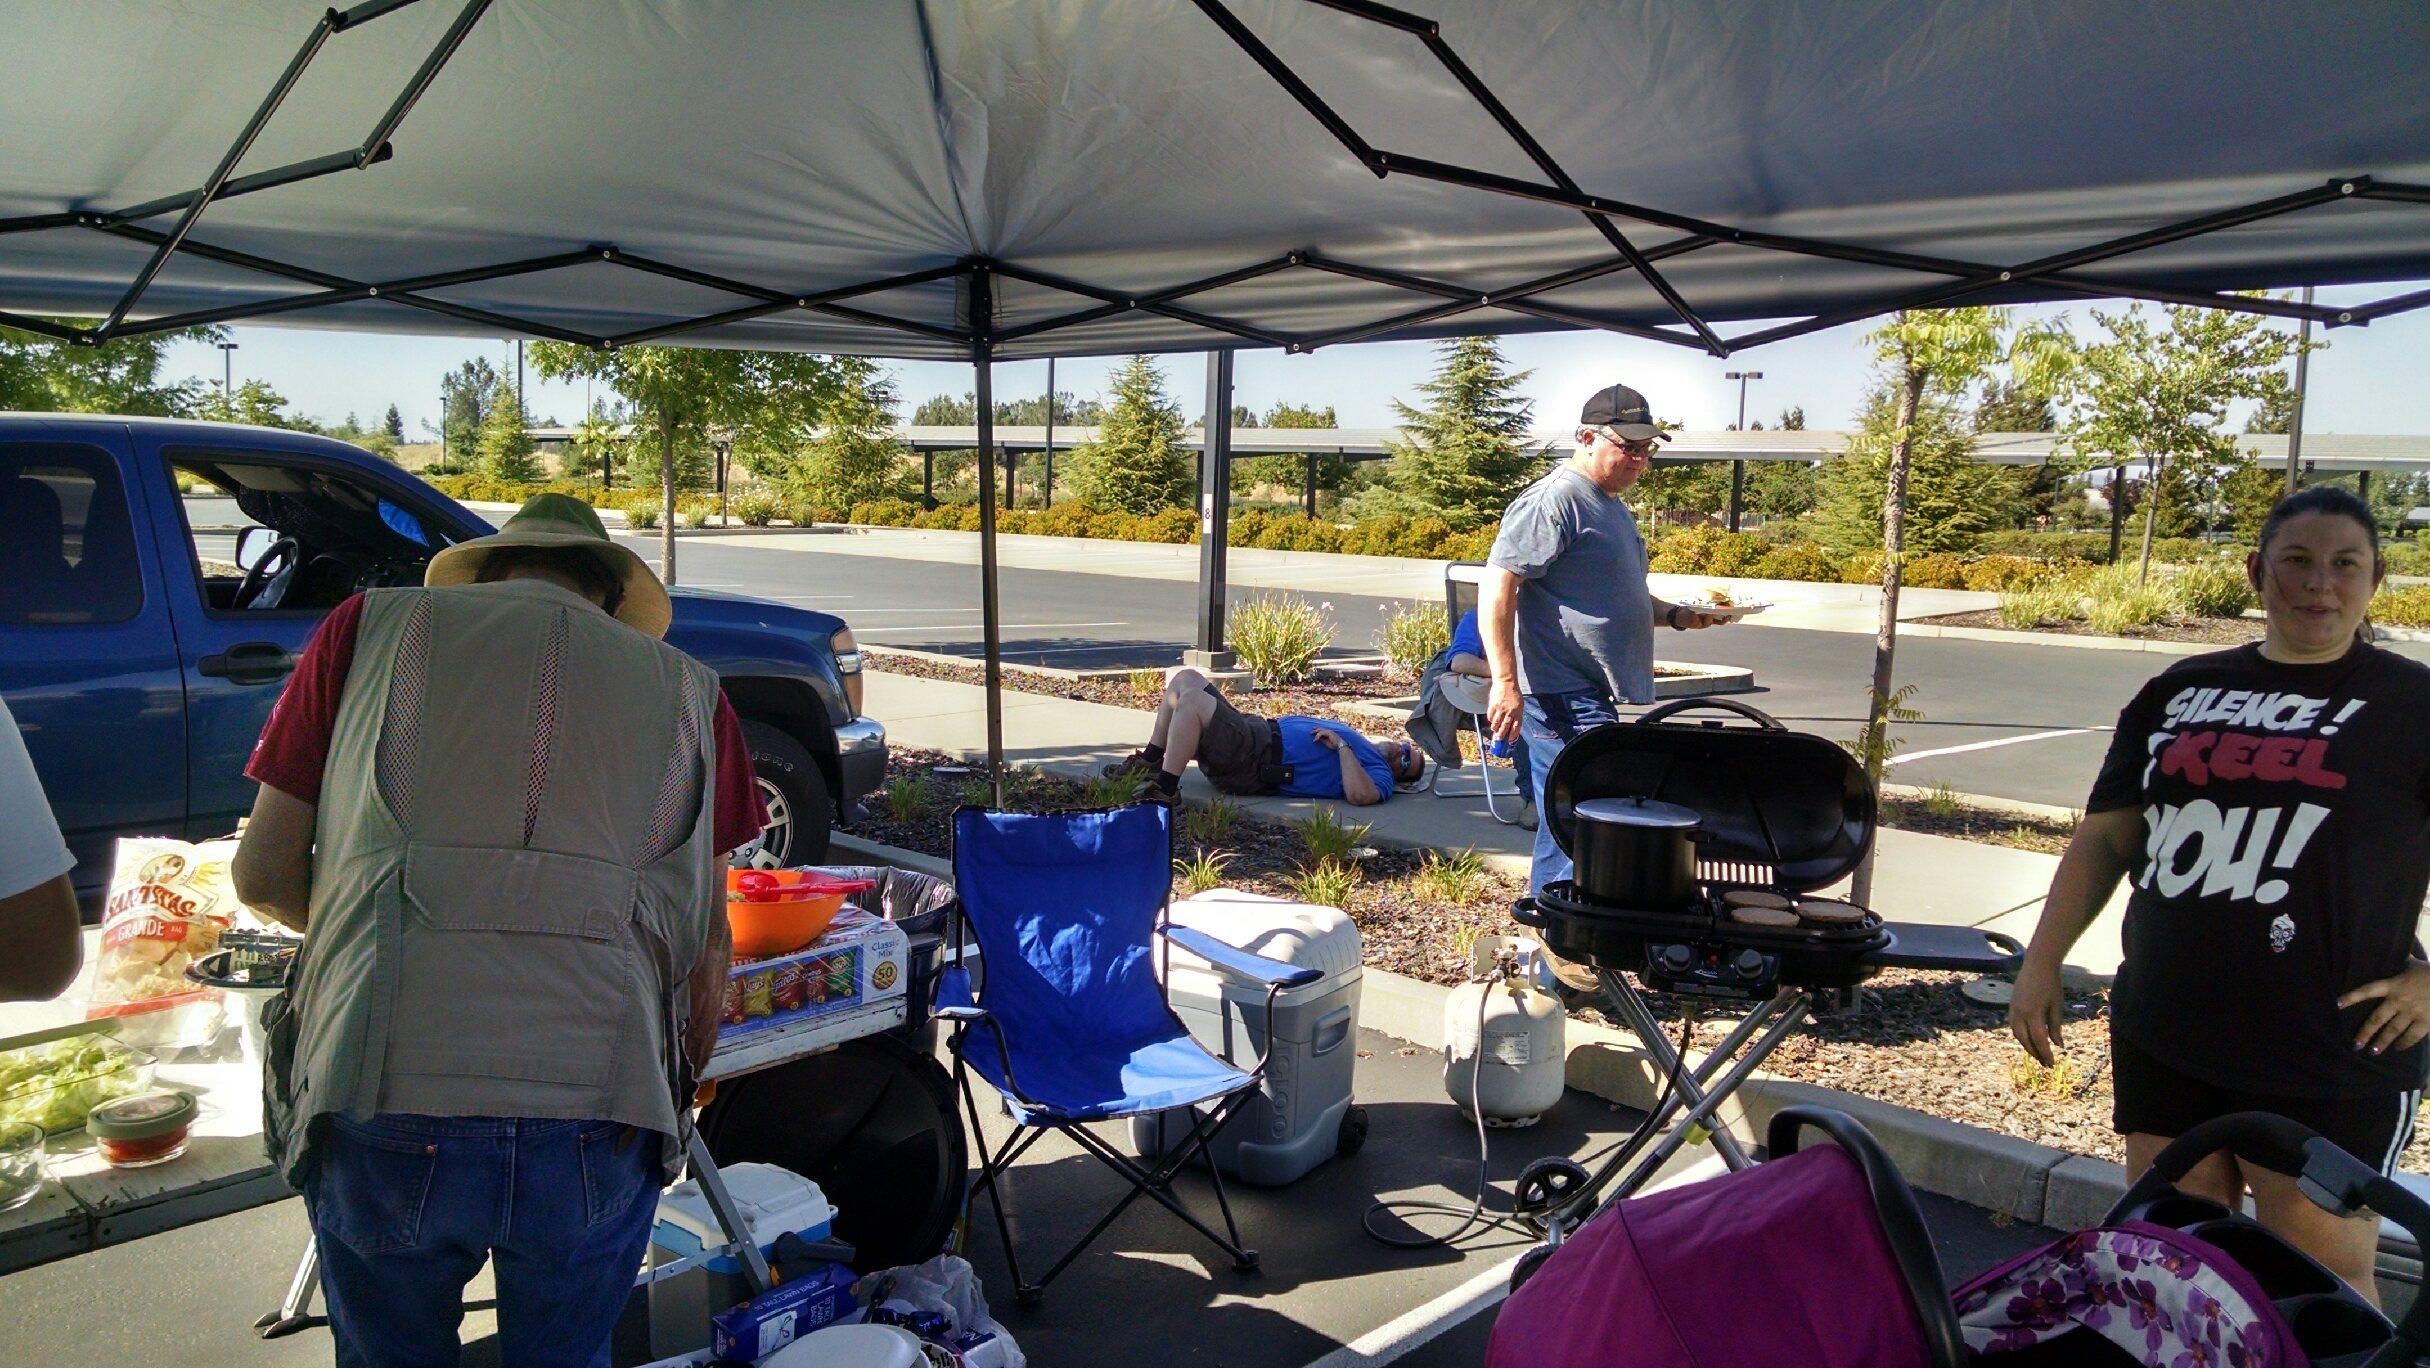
x,y
1820,1257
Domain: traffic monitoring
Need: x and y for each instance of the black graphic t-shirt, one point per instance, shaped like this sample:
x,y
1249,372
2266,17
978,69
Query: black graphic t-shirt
x,y
2286,850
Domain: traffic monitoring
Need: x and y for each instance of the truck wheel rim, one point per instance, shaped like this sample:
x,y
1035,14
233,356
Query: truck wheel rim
x,y
776,838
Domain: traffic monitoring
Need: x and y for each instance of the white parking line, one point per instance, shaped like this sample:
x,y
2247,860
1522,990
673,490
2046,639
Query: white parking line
x,y
1988,745
1410,1331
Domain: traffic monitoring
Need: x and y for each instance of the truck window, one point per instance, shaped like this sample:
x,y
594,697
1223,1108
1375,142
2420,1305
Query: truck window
x,y
330,534
67,540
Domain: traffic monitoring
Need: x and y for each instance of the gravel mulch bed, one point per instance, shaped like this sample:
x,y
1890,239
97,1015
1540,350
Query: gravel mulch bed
x,y
2194,631
1914,1041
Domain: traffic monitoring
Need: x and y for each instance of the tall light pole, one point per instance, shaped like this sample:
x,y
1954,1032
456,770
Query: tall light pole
x,y
227,375
2303,359
1738,466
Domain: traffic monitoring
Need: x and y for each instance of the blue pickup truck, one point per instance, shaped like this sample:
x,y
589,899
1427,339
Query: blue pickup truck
x,y
158,578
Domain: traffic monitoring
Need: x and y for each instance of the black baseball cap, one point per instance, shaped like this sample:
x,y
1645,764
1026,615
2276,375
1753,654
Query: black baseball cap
x,y
1624,411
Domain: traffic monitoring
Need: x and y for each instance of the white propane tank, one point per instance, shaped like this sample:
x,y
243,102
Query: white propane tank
x,y
1525,1063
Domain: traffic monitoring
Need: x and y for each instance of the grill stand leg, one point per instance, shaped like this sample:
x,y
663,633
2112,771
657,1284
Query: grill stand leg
x,y
1703,1089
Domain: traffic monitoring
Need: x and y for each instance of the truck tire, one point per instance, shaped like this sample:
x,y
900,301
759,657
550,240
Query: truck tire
x,y
801,812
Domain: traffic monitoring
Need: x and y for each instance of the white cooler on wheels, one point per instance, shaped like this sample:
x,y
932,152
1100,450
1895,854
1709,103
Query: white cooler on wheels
x,y
1303,1115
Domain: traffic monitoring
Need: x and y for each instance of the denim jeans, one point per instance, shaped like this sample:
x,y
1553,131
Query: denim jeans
x,y
1551,722
406,1208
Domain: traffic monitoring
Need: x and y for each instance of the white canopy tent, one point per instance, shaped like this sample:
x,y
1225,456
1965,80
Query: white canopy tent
x,y
1034,178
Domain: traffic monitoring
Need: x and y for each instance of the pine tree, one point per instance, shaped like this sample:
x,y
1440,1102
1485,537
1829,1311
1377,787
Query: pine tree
x,y
393,424
505,449
1137,464
1793,419
1464,456
855,456
2008,406
1951,497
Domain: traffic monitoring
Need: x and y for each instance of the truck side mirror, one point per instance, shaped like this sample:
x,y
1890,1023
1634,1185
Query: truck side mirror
x,y
252,544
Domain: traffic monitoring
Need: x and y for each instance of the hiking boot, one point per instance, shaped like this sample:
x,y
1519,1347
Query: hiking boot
x,y
1137,764
1527,816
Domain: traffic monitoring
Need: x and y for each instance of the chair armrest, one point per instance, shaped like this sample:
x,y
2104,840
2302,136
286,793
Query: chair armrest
x,y
960,1014
1239,963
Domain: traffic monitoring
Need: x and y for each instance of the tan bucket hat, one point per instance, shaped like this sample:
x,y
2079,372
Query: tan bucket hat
x,y
561,520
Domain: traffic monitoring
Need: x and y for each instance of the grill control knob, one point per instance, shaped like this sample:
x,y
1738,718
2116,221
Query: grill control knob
x,y
1749,964
1677,959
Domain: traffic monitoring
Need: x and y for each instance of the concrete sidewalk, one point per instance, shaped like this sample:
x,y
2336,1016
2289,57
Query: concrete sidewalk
x,y
1814,607
1918,878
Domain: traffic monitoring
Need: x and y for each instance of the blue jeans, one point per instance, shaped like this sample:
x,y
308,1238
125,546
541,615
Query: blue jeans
x,y
1551,722
406,1208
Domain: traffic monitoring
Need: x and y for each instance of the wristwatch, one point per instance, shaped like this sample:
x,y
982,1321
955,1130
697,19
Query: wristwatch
x,y
1671,616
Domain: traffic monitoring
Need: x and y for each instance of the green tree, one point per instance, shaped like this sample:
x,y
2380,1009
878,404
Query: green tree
x,y
1137,464
1289,470
123,375
1951,498
2009,406
1694,489
505,449
255,403
1793,419
943,410
1923,356
465,395
853,454
680,394
394,426
1782,489
2249,490
1464,456
2159,395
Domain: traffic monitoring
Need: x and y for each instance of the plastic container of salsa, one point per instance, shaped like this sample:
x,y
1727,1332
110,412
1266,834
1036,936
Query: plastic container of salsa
x,y
146,1129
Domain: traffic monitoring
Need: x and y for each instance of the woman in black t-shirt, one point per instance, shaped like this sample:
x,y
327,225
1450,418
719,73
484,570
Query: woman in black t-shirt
x,y
2272,807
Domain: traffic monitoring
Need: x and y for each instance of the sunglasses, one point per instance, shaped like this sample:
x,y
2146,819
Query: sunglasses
x,y
1634,446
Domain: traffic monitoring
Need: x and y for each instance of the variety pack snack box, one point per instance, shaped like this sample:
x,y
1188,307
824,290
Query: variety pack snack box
x,y
862,959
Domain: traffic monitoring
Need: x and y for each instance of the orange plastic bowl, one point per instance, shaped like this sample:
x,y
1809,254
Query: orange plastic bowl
x,y
776,912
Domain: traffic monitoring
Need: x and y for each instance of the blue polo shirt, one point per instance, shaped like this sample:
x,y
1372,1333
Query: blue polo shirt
x,y
1317,772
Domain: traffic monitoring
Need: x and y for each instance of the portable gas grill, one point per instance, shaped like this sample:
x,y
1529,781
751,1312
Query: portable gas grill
x,y
1665,821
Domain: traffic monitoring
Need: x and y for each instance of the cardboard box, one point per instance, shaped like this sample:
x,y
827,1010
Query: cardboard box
x,y
861,960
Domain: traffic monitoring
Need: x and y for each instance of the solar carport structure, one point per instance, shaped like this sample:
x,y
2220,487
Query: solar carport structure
x,y
1035,178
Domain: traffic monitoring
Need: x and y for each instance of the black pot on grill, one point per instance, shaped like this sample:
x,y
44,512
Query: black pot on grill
x,y
1634,852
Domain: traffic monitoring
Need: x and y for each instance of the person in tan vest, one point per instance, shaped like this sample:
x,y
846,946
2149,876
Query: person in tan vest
x,y
498,808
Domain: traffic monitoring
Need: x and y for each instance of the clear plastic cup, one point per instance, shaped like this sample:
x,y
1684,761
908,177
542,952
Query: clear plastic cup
x,y
20,1164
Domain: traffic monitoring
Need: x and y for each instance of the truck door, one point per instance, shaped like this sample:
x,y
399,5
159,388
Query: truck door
x,y
88,654
243,616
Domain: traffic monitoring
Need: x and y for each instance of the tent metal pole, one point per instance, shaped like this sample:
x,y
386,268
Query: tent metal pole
x,y
321,29
1121,304
991,610
1246,331
1214,514
2303,372
2117,510
1048,501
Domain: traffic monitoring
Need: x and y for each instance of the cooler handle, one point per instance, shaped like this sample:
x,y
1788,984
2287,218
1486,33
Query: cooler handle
x,y
1331,1030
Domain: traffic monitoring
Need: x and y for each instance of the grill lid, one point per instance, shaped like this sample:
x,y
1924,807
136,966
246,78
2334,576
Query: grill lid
x,y
1760,796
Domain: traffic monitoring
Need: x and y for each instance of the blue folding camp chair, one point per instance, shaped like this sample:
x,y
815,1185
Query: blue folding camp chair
x,y
1067,909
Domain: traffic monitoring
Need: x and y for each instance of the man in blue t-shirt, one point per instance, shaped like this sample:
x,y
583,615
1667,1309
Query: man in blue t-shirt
x,y
1466,656
1242,753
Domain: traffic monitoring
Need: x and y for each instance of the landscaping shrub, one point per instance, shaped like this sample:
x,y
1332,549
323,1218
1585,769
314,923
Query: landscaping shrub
x,y
1998,574
641,517
2082,546
1936,570
1861,567
1685,551
1307,534
754,510
2115,603
2408,557
1173,526
1797,561
1278,636
1423,539
1412,636
2213,588
2046,604
2406,605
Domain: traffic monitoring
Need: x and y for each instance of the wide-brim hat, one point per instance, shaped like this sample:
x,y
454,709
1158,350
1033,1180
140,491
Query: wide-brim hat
x,y
563,522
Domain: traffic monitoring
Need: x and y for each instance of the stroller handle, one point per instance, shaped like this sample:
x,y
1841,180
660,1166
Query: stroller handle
x,y
2334,1180
1902,1222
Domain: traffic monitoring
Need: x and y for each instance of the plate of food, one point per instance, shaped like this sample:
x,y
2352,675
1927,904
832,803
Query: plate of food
x,y
1718,603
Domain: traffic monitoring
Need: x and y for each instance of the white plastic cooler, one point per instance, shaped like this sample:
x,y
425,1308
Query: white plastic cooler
x,y
1304,1114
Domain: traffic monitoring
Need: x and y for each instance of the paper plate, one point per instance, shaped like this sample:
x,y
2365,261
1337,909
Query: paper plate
x,y
1732,611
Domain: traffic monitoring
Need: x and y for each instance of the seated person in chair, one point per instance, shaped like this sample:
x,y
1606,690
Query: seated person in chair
x,y
1242,753
1465,658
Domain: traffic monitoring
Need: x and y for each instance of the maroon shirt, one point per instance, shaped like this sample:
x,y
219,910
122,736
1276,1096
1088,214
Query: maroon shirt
x,y
295,744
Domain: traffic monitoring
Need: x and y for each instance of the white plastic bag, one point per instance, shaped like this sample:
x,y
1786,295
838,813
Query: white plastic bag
x,y
946,1283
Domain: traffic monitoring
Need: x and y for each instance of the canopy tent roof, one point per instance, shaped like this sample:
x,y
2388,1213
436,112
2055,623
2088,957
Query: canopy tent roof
x,y
1158,175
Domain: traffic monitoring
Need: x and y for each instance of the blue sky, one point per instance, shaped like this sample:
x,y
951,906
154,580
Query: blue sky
x,y
2368,380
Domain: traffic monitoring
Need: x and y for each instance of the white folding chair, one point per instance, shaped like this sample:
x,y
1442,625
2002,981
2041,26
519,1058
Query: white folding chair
x,y
1463,583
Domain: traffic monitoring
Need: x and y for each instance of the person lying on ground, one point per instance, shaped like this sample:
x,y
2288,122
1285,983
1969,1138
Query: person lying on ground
x,y
1244,754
